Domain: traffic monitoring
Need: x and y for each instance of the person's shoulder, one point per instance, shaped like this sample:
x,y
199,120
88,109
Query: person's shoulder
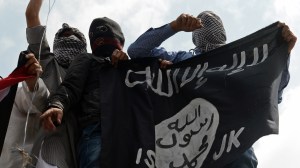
x,y
84,56
87,58
46,61
99,59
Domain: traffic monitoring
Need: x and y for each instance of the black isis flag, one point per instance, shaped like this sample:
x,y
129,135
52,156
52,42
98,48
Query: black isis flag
x,y
8,88
202,112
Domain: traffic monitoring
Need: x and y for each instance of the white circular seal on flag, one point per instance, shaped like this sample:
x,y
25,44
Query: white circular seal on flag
x,y
185,139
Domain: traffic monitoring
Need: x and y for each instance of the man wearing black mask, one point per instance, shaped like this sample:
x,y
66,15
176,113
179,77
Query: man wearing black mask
x,y
82,86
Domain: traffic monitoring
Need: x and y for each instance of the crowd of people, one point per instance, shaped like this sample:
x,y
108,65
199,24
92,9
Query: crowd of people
x,y
64,123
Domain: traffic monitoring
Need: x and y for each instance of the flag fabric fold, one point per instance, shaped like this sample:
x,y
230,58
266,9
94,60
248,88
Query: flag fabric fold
x,y
18,75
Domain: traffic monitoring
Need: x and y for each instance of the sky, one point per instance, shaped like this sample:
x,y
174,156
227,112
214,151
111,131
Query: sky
x,y
240,18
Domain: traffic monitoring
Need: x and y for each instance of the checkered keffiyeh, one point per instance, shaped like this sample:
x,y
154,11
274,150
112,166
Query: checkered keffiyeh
x,y
212,35
66,48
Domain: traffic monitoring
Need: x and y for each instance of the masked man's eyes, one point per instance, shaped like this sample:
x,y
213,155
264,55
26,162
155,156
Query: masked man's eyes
x,y
102,28
68,33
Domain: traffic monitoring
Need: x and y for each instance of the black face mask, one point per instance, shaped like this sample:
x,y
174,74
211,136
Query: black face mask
x,y
104,50
105,36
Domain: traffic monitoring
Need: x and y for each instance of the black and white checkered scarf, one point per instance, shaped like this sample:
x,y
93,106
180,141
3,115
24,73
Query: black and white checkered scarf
x,y
212,35
66,48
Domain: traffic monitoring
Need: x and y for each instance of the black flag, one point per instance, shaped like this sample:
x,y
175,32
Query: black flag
x,y
202,112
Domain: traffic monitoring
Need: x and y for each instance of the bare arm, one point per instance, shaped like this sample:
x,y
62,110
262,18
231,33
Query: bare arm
x,y
32,13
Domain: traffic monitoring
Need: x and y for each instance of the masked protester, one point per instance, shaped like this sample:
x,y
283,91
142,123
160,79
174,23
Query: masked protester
x,y
68,43
210,36
55,149
105,36
82,86
208,33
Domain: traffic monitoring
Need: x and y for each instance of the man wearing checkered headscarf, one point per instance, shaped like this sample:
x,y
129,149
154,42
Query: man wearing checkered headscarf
x,y
55,149
212,35
66,47
208,33
207,29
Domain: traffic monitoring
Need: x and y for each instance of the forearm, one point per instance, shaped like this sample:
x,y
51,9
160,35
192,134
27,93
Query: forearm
x,y
32,13
70,90
152,38
59,100
35,37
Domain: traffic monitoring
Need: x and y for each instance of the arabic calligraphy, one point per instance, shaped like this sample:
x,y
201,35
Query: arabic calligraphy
x,y
175,80
185,139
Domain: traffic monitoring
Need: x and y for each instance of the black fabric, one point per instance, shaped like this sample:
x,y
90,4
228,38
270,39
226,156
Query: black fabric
x,y
202,112
6,104
81,87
